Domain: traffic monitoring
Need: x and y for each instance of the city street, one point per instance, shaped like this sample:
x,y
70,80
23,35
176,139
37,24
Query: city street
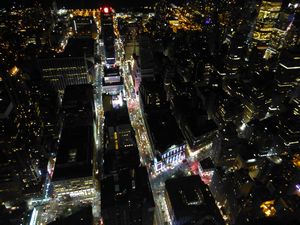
x,y
157,179
144,146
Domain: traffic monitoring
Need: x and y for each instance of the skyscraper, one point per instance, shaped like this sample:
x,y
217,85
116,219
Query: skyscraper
x,y
108,35
286,31
267,16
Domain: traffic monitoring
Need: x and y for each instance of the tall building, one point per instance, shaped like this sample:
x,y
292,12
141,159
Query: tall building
x,y
267,16
120,150
73,174
197,128
84,26
146,59
74,66
127,198
288,132
286,31
82,216
190,202
294,37
166,139
289,71
236,54
61,72
108,34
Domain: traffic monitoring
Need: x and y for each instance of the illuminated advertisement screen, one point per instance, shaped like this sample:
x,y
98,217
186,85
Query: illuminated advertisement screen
x,y
113,79
117,101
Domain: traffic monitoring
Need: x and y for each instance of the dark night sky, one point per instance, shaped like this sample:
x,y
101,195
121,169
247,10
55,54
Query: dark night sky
x,y
81,3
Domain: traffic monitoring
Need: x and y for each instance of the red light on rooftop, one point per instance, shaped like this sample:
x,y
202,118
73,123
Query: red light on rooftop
x,y
106,10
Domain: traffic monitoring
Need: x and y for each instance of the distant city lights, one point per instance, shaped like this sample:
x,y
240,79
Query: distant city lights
x,y
228,80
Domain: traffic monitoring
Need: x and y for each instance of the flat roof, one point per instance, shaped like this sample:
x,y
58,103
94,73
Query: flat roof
x,y
131,182
83,216
78,118
195,118
117,117
74,145
200,125
50,61
78,47
207,163
78,96
74,154
190,198
75,48
164,129
245,150
146,55
78,105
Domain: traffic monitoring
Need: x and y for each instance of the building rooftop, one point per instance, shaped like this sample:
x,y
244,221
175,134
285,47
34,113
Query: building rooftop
x,y
61,62
290,58
78,105
79,47
190,200
83,216
200,124
164,130
130,182
117,116
84,26
207,164
77,96
116,159
146,55
74,153
288,129
194,117
245,150
76,48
